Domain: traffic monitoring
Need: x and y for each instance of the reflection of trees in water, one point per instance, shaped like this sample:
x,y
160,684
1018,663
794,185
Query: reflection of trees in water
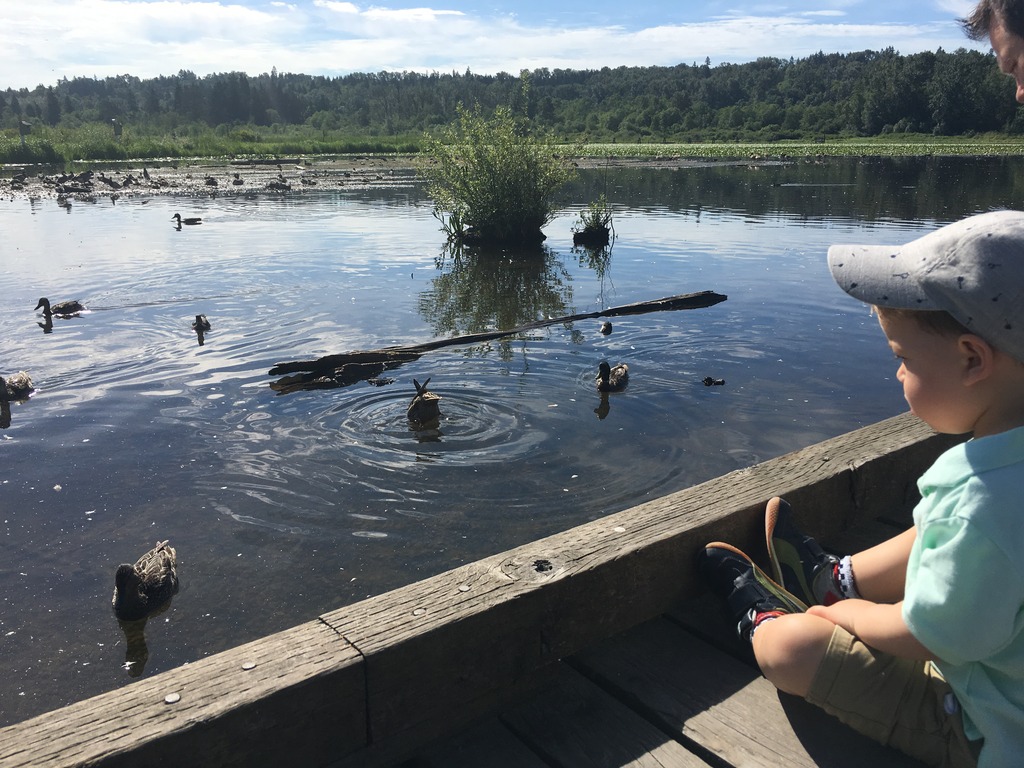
x,y
861,188
483,290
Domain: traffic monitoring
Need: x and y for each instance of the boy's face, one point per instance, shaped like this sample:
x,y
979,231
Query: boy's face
x,y
1009,49
931,374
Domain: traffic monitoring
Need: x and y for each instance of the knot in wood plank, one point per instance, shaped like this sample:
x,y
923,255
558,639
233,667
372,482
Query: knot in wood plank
x,y
534,567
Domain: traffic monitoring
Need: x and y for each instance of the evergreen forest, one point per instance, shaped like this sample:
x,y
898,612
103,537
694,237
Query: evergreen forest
x,y
869,93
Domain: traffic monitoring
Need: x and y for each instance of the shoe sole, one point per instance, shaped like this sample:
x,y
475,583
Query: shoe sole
x,y
766,581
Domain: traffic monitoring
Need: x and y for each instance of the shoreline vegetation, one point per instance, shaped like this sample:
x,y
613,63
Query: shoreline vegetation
x,y
75,153
297,171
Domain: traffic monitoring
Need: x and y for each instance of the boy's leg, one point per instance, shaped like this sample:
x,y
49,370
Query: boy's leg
x,y
789,650
881,571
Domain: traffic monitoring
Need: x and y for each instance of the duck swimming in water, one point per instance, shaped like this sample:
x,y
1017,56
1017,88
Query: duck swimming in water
x,y
189,221
612,379
17,386
201,323
61,308
424,408
143,588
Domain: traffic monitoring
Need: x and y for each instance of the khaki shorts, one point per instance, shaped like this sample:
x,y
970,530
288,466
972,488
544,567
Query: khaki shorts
x,y
899,702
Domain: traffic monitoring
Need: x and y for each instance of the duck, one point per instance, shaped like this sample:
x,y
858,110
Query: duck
x,y
17,386
424,407
201,323
61,308
710,381
612,379
606,328
145,587
188,221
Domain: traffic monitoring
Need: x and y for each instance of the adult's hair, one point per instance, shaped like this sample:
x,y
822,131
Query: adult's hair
x,y
1009,12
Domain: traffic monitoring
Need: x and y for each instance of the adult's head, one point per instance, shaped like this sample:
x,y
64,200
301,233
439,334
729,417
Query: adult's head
x,y
1001,22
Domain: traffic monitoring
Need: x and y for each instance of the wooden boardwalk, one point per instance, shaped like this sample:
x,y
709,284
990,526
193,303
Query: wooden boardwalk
x,y
592,647
678,690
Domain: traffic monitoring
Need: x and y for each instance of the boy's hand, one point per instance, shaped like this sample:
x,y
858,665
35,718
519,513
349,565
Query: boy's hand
x,y
879,625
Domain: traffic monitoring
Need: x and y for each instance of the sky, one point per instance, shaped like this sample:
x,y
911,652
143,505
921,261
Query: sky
x,y
42,41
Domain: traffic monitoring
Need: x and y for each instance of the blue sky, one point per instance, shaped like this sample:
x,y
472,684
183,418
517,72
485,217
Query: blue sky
x,y
42,41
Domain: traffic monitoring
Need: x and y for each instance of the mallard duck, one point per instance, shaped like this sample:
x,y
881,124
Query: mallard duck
x,y
612,379
424,407
712,382
189,221
61,308
201,323
144,588
17,386
606,327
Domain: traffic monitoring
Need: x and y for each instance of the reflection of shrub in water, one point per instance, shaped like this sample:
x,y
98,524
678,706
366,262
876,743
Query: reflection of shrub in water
x,y
483,290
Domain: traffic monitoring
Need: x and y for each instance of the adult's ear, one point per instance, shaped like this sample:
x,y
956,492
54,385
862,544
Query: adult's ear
x,y
978,356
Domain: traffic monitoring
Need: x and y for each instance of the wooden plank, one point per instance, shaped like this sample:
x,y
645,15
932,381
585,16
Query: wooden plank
x,y
723,705
466,639
574,724
489,744
302,703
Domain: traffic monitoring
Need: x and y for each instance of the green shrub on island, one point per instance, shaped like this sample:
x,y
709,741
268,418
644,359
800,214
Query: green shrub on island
x,y
493,180
593,228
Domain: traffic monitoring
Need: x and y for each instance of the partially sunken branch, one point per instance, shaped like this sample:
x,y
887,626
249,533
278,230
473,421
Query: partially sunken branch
x,y
348,368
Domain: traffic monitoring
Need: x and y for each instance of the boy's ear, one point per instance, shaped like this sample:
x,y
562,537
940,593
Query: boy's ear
x,y
978,357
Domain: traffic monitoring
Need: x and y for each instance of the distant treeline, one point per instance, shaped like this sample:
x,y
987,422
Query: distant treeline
x,y
856,94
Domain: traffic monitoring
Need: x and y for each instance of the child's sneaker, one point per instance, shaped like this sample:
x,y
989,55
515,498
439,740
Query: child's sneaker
x,y
749,592
798,562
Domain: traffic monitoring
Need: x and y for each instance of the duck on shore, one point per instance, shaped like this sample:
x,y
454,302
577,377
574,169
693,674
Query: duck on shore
x,y
61,308
612,379
145,587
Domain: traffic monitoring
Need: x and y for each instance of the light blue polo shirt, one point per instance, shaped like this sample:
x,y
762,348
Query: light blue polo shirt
x,y
964,597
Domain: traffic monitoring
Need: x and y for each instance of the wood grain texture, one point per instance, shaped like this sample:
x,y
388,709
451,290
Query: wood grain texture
x,y
725,706
302,700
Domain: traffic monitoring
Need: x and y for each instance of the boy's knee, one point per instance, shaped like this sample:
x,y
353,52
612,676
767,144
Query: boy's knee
x,y
790,649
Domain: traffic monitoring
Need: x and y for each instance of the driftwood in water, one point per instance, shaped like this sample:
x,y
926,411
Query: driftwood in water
x,y
347,368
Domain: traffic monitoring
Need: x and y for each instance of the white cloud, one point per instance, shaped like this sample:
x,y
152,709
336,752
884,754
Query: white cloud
x,y
44,40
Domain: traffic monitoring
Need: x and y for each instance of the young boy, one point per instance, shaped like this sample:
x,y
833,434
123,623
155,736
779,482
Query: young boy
x,y
919,641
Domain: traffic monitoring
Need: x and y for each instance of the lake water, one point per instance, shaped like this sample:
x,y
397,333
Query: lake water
x,y
282,506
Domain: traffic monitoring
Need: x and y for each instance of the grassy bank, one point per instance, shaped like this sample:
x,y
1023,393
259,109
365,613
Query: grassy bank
x,y
882,146
97,142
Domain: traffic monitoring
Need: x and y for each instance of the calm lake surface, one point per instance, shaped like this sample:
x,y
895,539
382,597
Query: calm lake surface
x,y
282,506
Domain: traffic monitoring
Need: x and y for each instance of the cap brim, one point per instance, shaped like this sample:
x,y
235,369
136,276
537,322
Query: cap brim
x,y
881,275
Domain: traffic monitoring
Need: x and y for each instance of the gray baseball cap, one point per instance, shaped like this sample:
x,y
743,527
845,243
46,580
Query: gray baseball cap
x,y
973,269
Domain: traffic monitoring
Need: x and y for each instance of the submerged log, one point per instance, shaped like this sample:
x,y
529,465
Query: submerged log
x,y
347,368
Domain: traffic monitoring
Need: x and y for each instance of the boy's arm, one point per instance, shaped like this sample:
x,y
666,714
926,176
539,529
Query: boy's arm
x,y
879,625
